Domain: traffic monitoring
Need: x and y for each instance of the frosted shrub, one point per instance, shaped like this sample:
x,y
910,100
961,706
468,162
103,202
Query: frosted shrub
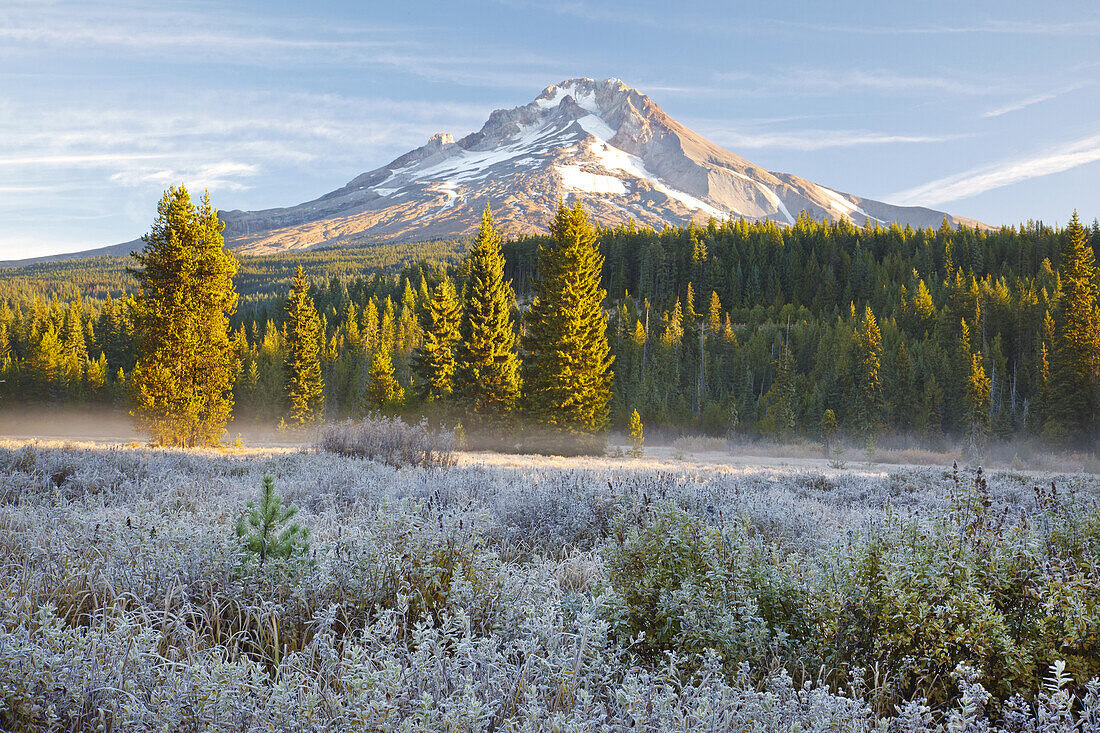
x,y
390,441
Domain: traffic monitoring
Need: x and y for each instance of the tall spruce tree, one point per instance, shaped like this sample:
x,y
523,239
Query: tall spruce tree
x,y
487,372
305,388
779,417
978,395
183,382
567,361
383,393
868,378
434,360
1076,362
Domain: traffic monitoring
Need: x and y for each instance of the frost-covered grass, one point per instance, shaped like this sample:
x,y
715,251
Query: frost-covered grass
x,y
540,597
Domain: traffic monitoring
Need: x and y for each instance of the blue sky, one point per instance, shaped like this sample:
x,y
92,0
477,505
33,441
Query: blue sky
x,y
984,109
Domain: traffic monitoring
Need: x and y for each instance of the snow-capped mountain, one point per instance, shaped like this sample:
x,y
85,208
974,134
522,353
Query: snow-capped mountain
x,y
600,141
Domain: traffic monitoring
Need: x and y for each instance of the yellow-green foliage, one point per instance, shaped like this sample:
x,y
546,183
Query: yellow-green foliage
x,y
182,384
637,434
434,360
487,373
384,393
567,360
304,386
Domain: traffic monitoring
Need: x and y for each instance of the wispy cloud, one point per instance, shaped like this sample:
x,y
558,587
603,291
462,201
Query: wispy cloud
x,y
1080,28
806,140
822,82
93,159
220,176
1034,99
828,81
979,180
165,33
710,23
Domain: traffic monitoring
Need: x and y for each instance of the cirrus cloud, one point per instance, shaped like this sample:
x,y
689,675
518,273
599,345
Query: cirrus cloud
x,y
1005,173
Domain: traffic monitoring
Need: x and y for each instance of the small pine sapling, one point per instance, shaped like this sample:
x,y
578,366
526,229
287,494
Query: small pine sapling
x,y
637,434
264,531
828,430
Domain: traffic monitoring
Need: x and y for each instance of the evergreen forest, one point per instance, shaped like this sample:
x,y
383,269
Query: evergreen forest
x,y
730,327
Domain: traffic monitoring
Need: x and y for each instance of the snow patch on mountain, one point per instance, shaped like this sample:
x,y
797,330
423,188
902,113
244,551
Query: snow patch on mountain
x,y
577,180
844,206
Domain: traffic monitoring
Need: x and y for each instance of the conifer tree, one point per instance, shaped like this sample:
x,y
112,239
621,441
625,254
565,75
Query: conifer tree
x,y
637,434
978,401
828,430
932,411
1040,405
264,529
567,360
779,417
383,393
305,388
1076,362
868,408
351,327
47,364
487,370
434,359
183,382
714,315
76,350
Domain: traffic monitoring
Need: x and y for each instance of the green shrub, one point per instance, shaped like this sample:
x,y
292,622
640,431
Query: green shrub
x,y
681,585
429,557
970,588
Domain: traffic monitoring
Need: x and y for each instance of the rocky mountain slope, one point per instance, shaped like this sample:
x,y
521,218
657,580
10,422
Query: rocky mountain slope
x,y
597,140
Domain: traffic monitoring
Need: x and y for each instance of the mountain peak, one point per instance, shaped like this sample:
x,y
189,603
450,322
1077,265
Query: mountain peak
x,y
584,91
595,140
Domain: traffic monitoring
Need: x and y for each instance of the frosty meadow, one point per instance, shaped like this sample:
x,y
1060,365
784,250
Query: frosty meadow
x,y
606,596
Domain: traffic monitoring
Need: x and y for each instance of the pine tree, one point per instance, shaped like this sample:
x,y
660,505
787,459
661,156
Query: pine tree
x,y
828,430
868,408
567,360
263,529
978,401
932,411
95,376
434,359
47,365
487,369
1039,409
387,327
76,349
714,315
183,382
1076,357
383,393
351,327
779,417
305,388
637,434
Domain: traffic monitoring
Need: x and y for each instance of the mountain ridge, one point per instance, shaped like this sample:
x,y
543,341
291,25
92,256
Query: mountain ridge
x,y
598,141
